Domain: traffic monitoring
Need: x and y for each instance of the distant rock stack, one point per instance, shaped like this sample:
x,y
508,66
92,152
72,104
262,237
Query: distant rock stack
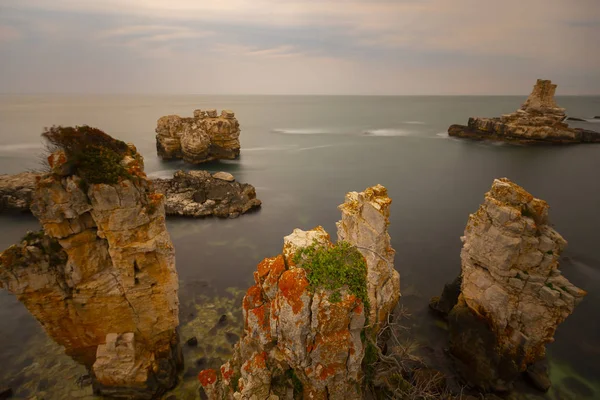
x,y
511,296
101,276
302,337
204,137
539,120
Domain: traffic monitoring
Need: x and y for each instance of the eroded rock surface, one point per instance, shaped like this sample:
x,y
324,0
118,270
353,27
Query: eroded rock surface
x,y
16,191
539,120
101,276
512,294
201,138
200,194
299,340
188,194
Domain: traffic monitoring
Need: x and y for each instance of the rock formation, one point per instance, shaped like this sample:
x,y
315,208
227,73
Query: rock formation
x,y
539,120
200,194
204,137
101,276
188,194
16,191
312,310
512,295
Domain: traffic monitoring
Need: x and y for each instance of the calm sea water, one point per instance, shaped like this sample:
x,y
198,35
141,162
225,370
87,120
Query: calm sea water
x,y
303,153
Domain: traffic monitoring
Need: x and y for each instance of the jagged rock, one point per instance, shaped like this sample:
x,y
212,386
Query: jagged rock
x,y
103,266
537,374
299,338
365,218
204,137
16,191
190,194
513,296
444,303
539,120
198,194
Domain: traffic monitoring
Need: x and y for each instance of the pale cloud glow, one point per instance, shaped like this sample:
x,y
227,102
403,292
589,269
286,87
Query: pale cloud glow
x,y
292,46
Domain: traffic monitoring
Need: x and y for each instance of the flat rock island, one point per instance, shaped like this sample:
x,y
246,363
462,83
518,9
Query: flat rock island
x,y
539,120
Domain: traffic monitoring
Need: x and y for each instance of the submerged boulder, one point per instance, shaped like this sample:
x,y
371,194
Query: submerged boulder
x,y
314,309
200,194
101,276
539,120
512,294
201,138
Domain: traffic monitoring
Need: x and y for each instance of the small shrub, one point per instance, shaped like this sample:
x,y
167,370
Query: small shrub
x,y
335,267
295,381
92,154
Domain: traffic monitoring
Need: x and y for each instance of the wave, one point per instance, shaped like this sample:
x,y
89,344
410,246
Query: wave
x,y
270,148
593,120
387,132
20,147
414,122
442,135
304,131
315,147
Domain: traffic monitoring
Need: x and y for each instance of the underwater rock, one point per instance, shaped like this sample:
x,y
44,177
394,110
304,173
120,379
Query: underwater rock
x,y
16,191
539,120
192,342
198,194
201,138
306,318
512,296
103,266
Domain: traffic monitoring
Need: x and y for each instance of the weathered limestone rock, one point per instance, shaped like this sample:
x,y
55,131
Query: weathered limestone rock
x,y
189,194
198,194
539,120
101,278
365,218
204,137
512,295
299,339
16,191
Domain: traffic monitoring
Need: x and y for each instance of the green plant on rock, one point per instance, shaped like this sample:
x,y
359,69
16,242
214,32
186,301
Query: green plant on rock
x,y
90,153
335,267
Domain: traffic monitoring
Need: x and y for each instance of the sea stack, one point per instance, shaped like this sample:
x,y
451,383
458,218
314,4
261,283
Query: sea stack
x,y
101,276
204,137
511,296
539,120
314,310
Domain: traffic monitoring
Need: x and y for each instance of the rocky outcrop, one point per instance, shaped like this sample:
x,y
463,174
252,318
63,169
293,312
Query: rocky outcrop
x,y
539,120
101,276
512,294
200,194
16,191
312,310
204,137
188,194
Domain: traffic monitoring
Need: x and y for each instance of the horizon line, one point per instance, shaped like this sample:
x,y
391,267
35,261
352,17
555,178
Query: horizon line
x,y
279,94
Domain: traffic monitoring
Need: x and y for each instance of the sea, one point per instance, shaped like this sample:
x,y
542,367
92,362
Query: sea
x,y
303,154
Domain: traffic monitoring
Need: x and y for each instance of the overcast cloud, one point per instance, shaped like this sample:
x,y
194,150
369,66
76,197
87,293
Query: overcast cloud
x,y
298,47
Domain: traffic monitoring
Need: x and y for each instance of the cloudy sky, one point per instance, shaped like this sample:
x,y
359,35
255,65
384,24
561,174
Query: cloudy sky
x,y
298,47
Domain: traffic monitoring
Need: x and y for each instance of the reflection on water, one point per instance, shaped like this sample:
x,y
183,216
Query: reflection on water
x,y
303,154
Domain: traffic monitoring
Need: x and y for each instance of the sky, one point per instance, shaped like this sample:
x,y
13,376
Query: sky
x,y
374,47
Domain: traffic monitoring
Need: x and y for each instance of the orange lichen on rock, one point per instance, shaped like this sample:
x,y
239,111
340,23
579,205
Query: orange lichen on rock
x,y
207,377
253,298
258,361
226,372
293,284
